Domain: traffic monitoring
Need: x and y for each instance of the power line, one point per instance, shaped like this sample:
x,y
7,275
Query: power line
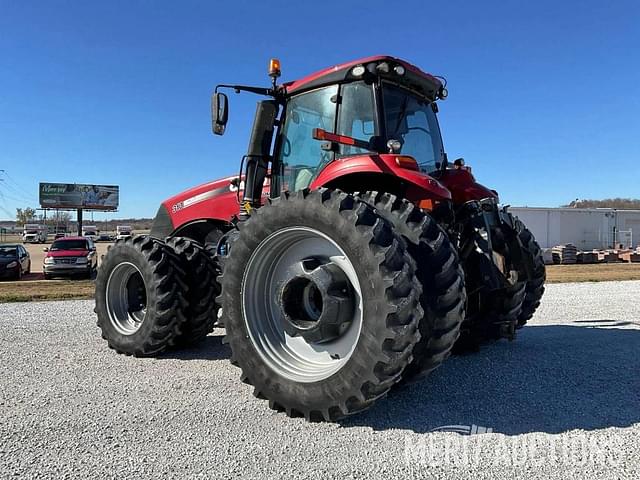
x,y
15,199
17,188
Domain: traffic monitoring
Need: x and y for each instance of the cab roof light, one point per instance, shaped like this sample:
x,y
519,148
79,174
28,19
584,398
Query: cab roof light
x,y
358,71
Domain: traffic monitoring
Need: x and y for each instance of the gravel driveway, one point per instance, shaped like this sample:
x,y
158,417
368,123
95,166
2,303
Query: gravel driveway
x,y
563,400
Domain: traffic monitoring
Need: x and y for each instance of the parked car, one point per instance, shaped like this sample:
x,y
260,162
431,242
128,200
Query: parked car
x,y
14,261
70,256
104,237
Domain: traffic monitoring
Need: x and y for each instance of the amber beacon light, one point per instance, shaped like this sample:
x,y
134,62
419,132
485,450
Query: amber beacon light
x,y
274,68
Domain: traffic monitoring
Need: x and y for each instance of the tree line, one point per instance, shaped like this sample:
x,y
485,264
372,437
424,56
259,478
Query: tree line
x,y
618,203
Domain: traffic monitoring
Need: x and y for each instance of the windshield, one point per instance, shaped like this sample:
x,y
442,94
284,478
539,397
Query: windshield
x,y
10,252
69,245
31,232
411,120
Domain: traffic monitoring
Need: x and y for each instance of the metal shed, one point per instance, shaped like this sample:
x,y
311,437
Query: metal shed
x,y
586,228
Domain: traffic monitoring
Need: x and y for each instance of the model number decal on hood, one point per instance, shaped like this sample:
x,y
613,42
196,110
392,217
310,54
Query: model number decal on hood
x,y
201,197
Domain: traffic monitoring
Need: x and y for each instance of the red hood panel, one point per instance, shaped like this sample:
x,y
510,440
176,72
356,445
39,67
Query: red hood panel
x,y
213,200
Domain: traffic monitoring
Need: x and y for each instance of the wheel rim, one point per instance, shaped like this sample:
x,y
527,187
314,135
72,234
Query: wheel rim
x,y
276,260
126,298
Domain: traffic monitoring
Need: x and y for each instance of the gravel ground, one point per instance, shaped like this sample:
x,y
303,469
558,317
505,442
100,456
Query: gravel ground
x,y
562,400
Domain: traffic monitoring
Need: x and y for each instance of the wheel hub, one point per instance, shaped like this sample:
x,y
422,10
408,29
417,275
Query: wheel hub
x,y
302,304
126,298
318,303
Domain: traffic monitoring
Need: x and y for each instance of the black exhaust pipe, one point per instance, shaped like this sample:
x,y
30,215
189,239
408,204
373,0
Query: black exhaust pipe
x,y
258,155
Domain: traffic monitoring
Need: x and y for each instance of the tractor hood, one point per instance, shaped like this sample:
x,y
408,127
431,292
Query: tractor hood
x,y
216,200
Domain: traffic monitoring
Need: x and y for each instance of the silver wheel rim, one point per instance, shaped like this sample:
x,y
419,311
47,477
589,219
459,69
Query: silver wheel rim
x,y
275,260
126,298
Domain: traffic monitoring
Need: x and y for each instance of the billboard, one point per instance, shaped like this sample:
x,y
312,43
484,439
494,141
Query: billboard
x,y
77,195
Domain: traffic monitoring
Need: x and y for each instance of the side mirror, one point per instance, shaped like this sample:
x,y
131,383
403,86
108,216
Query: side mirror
x,y
219,112
45,249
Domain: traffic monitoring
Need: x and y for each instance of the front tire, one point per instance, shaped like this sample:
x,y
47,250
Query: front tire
x,y
333,365
202,272
140,296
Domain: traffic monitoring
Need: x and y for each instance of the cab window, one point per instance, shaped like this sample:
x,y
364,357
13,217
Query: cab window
x,y
356,117
301,156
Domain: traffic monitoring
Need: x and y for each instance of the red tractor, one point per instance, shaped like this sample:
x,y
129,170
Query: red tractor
x,y
348,255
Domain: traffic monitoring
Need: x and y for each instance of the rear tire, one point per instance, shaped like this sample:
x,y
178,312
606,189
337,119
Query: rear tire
x,y
202,272
382,332
535,286
438,269
140,296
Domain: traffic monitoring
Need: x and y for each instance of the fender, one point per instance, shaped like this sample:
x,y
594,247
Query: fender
x,y
419,185
463,186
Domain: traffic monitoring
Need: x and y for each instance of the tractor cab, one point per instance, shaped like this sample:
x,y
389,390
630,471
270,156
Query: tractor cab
x,y
379,108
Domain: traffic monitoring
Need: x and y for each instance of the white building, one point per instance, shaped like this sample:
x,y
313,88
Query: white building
x,y
586,228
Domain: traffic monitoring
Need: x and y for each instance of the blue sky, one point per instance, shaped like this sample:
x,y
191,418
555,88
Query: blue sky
x,y
544,97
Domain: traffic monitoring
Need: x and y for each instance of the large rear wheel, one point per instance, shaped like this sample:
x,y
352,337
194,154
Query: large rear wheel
x,y
535,285
438,269
499,313
320,304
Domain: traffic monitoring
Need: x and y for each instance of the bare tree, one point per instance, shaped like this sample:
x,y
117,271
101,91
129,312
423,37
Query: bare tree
x,y
25,215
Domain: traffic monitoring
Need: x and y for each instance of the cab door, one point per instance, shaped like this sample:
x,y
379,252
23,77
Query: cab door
x,y
300,156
